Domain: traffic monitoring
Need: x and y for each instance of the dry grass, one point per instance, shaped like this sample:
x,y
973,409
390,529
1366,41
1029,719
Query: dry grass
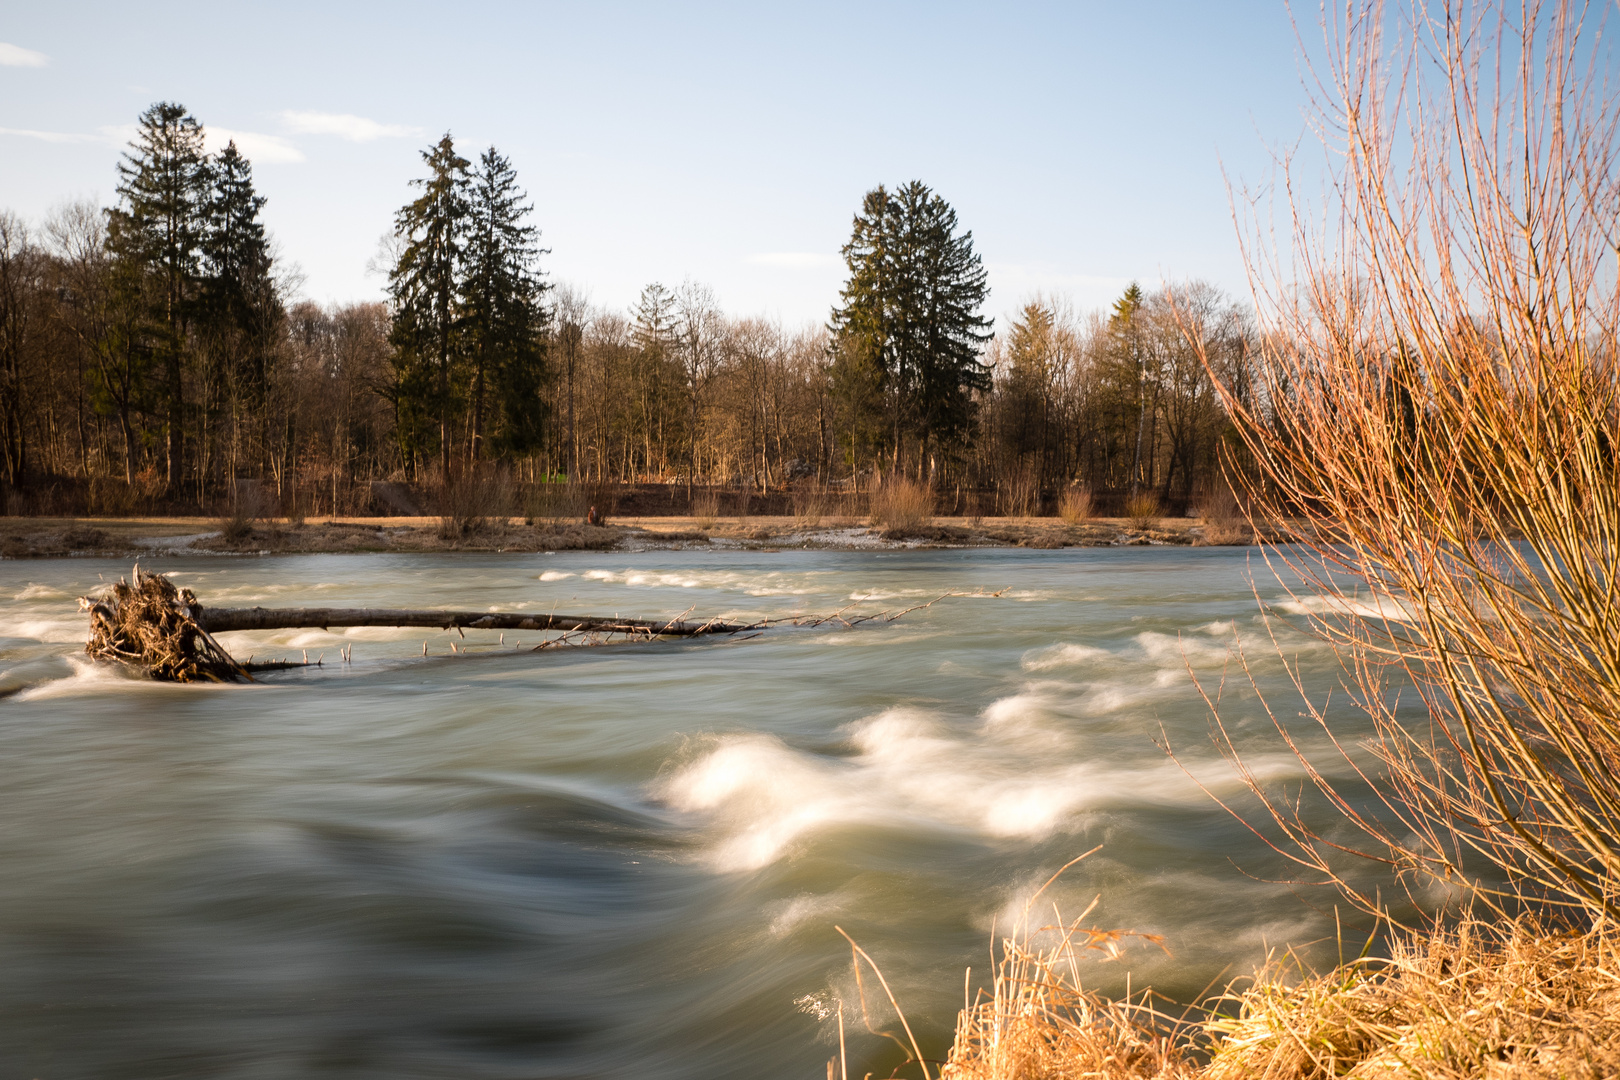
x,y
1520,1000
1038,1021
1517,1000
1142,510
901,504
1074,505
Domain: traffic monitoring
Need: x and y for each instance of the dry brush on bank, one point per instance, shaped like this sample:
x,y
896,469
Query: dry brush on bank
x,y
1520,1000
1435,428
1445,448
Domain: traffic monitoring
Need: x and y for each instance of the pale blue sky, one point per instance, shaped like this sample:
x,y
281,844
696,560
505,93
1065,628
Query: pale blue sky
x,y
1082,143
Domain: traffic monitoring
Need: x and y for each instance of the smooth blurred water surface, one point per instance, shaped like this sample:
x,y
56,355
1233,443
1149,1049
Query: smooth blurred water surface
x,y
624,860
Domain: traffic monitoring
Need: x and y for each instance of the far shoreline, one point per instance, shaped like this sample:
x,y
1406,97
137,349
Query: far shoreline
x,y
47,537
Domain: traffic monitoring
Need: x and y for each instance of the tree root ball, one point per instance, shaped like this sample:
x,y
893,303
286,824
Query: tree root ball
x,y
151,625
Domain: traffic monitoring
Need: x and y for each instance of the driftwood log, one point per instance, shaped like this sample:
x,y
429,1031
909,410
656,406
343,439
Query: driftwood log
x,y
150,624
220,620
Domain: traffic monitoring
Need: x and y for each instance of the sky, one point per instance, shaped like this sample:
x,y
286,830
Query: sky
x,y
1084,144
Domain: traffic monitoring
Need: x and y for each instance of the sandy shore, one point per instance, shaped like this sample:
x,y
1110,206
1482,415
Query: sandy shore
x,y
155,536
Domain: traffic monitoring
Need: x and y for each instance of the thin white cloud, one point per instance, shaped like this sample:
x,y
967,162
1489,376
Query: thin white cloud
x,y
17,56
51,136
257,148
795,259
344,126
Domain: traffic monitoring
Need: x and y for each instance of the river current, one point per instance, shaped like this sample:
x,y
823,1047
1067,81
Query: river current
x,y
626,860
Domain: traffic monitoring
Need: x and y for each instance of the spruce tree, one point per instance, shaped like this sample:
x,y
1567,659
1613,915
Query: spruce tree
x,y
909,321
241,308
156,233
424,287
655,372
503,317
1129,357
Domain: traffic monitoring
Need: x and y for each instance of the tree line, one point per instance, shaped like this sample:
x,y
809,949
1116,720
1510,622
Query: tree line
x,y
154,355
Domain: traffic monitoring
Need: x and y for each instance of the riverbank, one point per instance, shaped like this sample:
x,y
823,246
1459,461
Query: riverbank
x,y
42,537
1517,998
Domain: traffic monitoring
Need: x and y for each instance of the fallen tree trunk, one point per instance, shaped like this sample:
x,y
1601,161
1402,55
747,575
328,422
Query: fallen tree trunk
x,y
223,620
150,624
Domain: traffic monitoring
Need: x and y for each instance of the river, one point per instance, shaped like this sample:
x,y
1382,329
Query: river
x,y
627,860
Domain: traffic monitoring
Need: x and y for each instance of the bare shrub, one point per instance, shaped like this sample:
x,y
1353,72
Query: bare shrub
x,y
80,537
235,527
108,497
1020,494
900,503
809,505
1224,520
471,500
1439,368
1142,510
554,502
249,504
1074,505
706,509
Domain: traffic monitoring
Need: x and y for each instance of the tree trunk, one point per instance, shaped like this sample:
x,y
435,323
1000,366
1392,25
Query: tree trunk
x,y
221,620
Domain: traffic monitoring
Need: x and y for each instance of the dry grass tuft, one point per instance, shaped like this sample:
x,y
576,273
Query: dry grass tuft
x,y
1074,505
1039,1022
901,504
1519,1000
1142,510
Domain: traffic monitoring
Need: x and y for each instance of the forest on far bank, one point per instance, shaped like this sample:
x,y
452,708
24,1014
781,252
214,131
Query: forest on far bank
x,y
154,358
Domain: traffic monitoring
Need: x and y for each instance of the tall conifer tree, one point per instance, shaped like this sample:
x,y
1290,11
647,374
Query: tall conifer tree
x,y
241,307
503,317
424,287
909,321
156,233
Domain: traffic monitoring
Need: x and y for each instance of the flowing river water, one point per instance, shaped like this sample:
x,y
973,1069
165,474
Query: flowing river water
x,y
628,860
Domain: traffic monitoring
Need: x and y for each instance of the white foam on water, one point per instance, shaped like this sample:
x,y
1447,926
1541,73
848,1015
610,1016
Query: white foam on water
x,y
42,592
1106,697
1171,650
1386,607
86,677
555,575
1063,654
1013,776
1221,628
789,915
63,631
1026,719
